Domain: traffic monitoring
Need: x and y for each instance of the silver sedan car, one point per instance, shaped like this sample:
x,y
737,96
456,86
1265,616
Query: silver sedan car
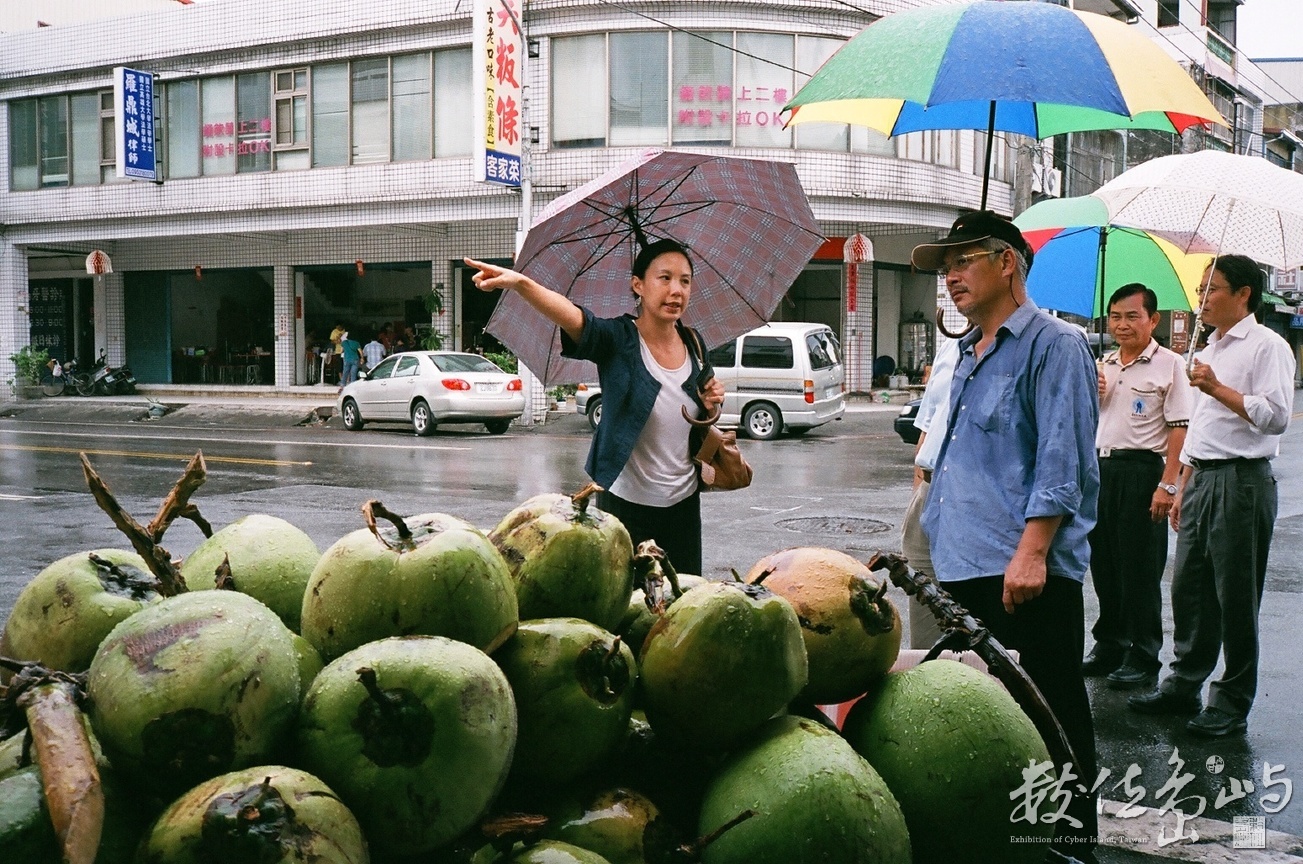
x,y
426,388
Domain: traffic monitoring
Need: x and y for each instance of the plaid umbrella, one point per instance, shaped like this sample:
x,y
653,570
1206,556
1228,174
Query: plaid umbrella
x,y
746,224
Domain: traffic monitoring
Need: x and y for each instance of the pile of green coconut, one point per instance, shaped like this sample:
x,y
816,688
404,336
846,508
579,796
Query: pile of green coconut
x,y
538,693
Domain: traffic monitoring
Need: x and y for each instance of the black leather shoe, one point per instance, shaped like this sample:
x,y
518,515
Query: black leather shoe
x,y
1131,678
1099,662
1216,723
1159,702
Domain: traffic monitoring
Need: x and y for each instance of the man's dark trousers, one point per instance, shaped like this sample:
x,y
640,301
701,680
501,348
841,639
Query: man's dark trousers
x,y
1228,511
1049,632
1128,552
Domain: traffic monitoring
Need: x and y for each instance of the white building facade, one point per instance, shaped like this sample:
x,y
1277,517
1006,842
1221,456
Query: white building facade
x,y
317,162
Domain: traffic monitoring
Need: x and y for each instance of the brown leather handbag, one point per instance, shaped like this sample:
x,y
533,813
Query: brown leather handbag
x,y
719,461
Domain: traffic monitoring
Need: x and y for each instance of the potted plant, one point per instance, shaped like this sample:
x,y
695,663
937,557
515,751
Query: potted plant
x,y
28,366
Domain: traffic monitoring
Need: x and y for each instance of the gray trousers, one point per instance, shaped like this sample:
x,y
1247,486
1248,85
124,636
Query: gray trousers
x,y
923,627
1227,515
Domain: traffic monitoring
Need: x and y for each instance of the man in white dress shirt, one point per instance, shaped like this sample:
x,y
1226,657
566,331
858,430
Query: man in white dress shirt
x,y
933,416
1226,509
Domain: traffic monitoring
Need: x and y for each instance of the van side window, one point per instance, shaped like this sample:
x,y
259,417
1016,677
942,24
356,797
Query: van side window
x,y
819,352
767,352
725,355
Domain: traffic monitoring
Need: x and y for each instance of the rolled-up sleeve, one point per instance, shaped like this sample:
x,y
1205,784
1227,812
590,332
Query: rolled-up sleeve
x,y
1270,404
1067,414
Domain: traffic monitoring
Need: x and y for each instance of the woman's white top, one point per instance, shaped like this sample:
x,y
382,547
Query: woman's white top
x,y
659,472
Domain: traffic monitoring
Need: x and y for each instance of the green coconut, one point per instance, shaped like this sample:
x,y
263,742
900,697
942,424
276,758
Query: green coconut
x,y
723,659
63,614
26,834
950,740
621,825
851,630
813,799
567,559
639,618
310,663
556,852
415,734
263,815
428,575
270,560
573,683
194,686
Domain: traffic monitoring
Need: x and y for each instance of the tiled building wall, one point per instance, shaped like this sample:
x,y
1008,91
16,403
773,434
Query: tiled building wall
x,y
413,211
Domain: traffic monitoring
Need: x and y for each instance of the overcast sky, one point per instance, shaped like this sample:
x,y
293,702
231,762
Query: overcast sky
x,y
1271,28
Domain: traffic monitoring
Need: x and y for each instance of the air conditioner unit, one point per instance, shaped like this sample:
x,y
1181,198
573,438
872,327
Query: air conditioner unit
x,y
1054,182
1046,181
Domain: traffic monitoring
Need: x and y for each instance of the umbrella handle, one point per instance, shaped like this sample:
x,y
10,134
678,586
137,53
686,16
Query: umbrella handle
x,y
710,419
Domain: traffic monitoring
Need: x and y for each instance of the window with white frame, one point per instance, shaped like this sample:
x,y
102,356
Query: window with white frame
x,y
370,117
579,97
702,88
290,118
413,116
329,115
639,88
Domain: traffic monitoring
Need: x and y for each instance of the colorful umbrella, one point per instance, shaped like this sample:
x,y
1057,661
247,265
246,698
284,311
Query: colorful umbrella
x,y
746,224
1034,69
1081,259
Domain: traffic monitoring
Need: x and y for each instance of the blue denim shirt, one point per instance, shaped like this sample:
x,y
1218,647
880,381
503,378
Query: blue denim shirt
x,y
628,390
1020,444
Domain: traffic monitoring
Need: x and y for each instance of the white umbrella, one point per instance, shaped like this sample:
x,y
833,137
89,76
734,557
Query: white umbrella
x,y
1214,202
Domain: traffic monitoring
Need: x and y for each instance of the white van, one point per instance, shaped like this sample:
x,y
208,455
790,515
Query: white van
x,y
782,376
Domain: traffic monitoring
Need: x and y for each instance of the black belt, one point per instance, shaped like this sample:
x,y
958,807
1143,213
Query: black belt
x,y
1131,455
1222,463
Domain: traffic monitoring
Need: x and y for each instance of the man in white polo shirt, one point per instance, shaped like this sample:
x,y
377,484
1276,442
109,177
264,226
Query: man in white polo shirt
x,y
1226,509
1144,407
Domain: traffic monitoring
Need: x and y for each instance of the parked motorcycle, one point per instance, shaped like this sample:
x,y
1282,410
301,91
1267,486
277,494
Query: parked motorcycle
x,y
120,381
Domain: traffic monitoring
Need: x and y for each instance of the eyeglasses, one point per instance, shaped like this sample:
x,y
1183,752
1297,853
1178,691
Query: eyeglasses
x,y
961,262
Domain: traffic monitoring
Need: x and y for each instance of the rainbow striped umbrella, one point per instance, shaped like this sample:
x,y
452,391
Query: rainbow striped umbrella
x,y
1034,69
1081,259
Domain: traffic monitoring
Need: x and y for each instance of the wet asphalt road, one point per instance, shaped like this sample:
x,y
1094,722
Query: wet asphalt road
x,y
843,486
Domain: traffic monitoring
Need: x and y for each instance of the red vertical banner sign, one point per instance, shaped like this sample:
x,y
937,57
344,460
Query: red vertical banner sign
x,y
852,286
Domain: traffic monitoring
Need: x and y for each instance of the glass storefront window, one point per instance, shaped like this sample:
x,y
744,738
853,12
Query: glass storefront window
x,y
578,95
330,115
811,52
453,135
701,93
217,100
183,128
24,170
762,89
253,122
640,80
412,107
370,111
53,121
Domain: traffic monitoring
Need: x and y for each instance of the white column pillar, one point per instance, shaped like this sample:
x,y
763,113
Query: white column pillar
x,y
287,353
113,337
15,318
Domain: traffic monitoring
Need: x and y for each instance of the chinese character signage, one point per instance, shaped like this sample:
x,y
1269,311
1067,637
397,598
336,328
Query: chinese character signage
x,y
498,46
133,113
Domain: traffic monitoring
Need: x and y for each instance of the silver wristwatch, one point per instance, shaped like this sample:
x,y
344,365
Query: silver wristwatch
x,y
1169,488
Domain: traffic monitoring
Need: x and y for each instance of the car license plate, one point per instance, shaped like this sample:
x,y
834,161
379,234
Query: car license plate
x,y
481,387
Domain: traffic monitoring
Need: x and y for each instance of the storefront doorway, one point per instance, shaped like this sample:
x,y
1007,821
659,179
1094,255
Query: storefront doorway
x,y
207,327
63,319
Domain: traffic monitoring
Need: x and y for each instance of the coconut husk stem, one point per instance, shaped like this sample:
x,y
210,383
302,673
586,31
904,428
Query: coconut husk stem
x,y
57,736
367,676
143,540
224,581
581,498
692,851
177,503
372,509
513,827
